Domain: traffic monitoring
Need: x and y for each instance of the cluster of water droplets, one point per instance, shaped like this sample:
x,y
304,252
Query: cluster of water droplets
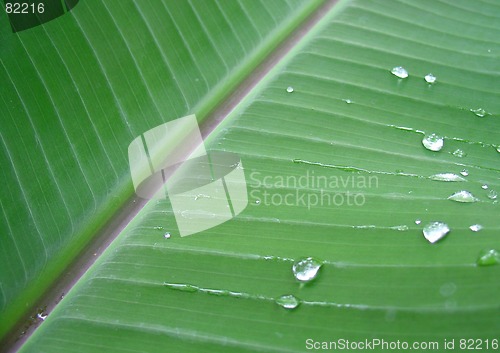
x,y
401,72
304,270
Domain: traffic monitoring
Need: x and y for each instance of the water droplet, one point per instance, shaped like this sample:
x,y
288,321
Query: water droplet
x,y
288,301
257,202
306,269
476,227
418,221
484,186
463,196
289,89
167,235
492,195
430,78
459,153
465,172
433,142
348,101
435,231
488,258
480,112
446,177
158,228
400,72
498,149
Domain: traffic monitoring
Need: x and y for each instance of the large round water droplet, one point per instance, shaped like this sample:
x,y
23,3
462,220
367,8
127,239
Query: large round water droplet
x,y
288,301
488,258
435,231
433,142
305,270
463,196
430,78
399,71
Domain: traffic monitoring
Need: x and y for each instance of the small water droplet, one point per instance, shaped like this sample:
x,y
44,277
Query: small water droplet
x,y
476,227
459,153
484,186
158,228
488,258
430,78
465,172
167,235
289,89
463,196
492,195
348,101
433,142
418,221
435,231
399,71
480,112
498,149
446,177
257,202
288,301
306,269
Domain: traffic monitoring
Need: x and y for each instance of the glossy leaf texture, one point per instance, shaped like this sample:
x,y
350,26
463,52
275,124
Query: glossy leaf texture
x,y
335,170
77,90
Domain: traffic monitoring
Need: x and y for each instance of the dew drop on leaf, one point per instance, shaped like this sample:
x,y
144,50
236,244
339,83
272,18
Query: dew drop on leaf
x,y
476,227
433,142
289,89
399,71
306,269
480,112
446,177
488,258
288,301
492,195
463,196
430,78
435,231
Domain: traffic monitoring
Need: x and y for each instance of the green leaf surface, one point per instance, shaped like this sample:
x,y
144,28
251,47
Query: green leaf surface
x,y
335,170
77,90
